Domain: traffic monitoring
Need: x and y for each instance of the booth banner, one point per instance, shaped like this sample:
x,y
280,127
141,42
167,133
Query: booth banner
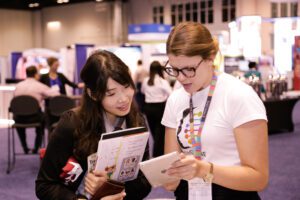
x,y
81,57
296,63
15,57
148,32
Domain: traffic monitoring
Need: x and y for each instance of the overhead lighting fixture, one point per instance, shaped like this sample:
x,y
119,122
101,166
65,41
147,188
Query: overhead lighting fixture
x,y
33,5
62,1
54,25
99,0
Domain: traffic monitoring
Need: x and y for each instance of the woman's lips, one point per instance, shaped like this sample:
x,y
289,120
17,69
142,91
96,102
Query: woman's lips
x,y
187,86
123,107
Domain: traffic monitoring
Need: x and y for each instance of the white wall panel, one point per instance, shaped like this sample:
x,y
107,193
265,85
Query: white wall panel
x,y
88,23
16,31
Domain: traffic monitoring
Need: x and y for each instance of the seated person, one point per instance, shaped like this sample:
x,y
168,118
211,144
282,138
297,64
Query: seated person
x,y
32,87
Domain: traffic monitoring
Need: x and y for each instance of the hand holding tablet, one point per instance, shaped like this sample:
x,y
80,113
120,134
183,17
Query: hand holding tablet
x,y
155,169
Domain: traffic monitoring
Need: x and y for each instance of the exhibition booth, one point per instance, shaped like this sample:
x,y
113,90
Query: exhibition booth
x,y
280,74
279,84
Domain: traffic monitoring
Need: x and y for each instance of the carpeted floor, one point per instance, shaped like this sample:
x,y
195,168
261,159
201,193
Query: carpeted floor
x,y
284,168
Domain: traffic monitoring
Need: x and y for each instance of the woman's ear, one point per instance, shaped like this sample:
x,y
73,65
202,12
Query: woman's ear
x,y
89,92
212,57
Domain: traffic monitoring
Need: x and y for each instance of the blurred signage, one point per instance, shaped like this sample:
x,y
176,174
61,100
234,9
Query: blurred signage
x,y
296,63
148,32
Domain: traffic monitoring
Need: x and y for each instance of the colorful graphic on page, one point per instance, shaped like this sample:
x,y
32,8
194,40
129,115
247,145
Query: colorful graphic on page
x,y
128,168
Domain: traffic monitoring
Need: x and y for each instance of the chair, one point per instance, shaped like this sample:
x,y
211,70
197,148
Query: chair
x,y
56,106
21,106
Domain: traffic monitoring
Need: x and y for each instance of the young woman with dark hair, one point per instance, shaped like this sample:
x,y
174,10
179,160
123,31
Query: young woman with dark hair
x,y
107,97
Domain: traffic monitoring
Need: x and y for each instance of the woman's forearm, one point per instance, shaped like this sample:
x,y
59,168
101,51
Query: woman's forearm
x,y
241,178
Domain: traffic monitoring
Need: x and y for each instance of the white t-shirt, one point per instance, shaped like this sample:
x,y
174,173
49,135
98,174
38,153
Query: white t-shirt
x,y
233,104
158,92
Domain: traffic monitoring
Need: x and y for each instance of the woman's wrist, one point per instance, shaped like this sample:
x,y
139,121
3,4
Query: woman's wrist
x,y
208,177
204,168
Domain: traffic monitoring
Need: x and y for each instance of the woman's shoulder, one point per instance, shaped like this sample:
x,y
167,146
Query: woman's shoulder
x,y
70,118
61,75
233,88
66,127
230,82
178,95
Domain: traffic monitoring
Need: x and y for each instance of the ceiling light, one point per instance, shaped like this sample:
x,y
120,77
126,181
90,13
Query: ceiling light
x,y
54,25
62,1
99,0
33,5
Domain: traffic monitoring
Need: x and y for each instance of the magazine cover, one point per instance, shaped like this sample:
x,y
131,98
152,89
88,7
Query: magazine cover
x,y
120,152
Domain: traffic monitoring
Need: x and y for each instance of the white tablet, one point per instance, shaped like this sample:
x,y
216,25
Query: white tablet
x,y
155,169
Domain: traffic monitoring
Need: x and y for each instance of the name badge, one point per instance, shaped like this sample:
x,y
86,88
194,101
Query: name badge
x,y
199,190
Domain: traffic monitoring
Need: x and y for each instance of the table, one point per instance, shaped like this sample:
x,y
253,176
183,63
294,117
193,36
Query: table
x,y
6,95
279,114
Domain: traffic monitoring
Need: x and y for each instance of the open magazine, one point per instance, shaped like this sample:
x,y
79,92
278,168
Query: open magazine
x,y
120,152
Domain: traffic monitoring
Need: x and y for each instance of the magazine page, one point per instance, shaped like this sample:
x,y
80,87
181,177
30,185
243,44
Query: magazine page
x,y
120,152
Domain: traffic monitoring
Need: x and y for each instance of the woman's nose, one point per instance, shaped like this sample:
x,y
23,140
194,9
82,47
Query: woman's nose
x,y
122,98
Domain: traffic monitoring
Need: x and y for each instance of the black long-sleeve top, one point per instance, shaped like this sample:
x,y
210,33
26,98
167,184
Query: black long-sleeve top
x,y
46,80
50,186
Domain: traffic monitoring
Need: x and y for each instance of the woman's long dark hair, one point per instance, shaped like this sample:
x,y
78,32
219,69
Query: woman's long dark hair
x,y
155,68
99,67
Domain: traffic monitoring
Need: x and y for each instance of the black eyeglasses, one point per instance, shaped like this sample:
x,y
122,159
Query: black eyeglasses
x,y
188,72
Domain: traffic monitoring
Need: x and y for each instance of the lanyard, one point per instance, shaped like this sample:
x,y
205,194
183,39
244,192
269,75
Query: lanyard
x,y
196,138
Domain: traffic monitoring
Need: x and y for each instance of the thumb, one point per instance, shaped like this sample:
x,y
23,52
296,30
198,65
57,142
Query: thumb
x,y
99,173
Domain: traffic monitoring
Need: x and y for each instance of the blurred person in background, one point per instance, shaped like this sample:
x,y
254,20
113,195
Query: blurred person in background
x,y
253,70
156,90
140,74
55,79
32,87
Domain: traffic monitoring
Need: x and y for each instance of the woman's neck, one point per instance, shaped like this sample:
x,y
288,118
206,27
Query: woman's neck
x,y
53,74
111,118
